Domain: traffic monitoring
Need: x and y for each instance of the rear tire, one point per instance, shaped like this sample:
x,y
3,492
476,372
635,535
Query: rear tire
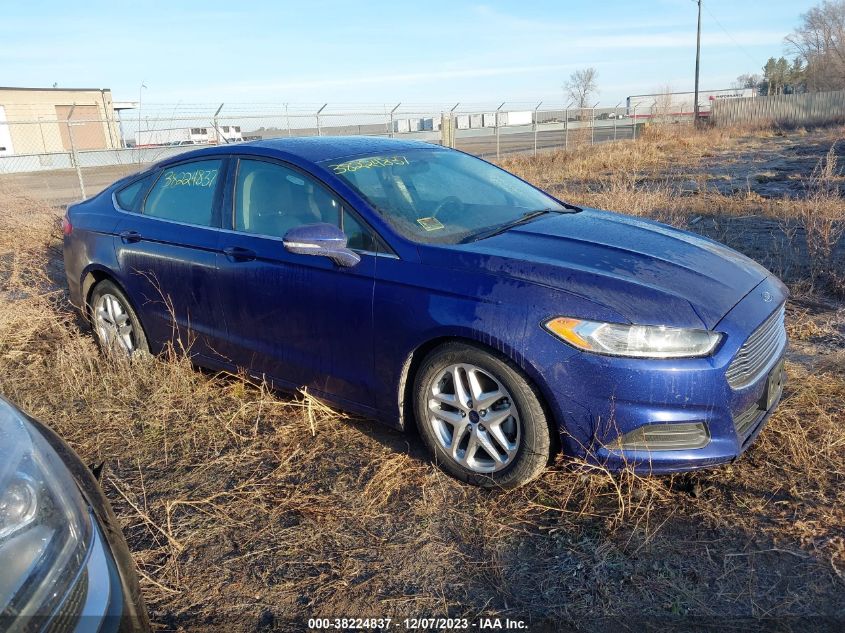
x,y
480,417
116,325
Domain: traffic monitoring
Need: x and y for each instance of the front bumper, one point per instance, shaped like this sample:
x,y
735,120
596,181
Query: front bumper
x,y
598,399
722,449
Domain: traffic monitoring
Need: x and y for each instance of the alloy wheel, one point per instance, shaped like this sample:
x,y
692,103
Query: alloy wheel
x,y
113,324
474,418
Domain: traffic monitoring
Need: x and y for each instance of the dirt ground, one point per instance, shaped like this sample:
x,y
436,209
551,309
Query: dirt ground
x,y
252,511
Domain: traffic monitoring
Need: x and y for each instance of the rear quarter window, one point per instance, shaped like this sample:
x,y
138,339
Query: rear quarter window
x,y
129,197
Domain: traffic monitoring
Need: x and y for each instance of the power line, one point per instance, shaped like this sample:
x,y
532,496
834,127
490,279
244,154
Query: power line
x,y
738,45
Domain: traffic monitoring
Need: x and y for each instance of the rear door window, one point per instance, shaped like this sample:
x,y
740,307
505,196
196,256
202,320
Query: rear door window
x,y
185,193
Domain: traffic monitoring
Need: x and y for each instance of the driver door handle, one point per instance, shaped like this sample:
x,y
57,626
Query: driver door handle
x,y
130,237
239,254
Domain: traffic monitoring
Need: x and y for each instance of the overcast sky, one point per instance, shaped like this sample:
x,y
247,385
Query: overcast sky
x,y
426,51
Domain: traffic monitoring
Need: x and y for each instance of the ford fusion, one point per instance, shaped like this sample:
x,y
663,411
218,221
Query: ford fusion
x,y
65,565
422,286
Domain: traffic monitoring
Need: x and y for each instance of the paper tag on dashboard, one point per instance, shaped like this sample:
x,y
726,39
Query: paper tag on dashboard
x,y
430,224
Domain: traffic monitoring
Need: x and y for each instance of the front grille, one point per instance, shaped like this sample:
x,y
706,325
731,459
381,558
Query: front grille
x,y
761,349
745,422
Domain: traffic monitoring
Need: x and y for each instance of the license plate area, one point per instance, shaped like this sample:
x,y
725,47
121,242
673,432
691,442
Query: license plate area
x,y
774,387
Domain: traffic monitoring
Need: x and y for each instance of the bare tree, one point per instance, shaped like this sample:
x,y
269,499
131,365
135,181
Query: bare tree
x,y
749,80
819,42
663,107
582,85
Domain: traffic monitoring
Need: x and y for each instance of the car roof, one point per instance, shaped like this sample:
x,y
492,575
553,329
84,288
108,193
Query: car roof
x,y
312,148
319,148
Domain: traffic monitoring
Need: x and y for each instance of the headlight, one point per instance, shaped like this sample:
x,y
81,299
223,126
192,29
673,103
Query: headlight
x,y
637,341
45,528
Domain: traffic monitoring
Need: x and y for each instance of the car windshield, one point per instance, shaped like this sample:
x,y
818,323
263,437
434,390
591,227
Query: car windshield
x,y
438,196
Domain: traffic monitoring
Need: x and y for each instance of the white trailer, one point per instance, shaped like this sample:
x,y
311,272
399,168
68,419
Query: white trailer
x,y
431,124
175,136
681,103
519,118
401,126
231,133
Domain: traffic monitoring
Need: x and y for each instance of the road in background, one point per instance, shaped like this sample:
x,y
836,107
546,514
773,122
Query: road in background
x,y
61,186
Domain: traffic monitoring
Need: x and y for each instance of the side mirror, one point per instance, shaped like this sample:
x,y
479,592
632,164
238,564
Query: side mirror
x,y
325,240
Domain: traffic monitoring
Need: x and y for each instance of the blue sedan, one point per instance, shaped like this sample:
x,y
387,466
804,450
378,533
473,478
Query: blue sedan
x,y
419,285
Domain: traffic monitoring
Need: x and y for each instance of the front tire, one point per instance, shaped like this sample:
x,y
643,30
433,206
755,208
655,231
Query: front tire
x,y
116,326
480,417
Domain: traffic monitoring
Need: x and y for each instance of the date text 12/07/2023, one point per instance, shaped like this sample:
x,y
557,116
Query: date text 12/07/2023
x,y
417,624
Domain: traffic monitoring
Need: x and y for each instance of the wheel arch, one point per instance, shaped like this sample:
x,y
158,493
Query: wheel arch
x,y
412,363
92,276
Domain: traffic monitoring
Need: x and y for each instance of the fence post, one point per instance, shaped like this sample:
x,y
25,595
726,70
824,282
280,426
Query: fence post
x,y
453,121
447,130
319,130
593,126
536,108
287,119
217,133
497,114
566,128
634,123
391,118
73,157
138,134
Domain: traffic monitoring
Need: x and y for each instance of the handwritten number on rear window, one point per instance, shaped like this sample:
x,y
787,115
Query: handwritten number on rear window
x,y
196,178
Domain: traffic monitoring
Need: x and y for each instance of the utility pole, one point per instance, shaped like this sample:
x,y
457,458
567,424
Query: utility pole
x,y
697,64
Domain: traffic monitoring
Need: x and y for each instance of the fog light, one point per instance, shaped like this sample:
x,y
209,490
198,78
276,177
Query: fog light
x,y
664,437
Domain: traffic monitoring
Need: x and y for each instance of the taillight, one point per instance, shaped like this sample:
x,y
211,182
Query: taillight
x,y
67,227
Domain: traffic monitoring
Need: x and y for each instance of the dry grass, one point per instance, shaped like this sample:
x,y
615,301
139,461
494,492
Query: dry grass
x,y
246,510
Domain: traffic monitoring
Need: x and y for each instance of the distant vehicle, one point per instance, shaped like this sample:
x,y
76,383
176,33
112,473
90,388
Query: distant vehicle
x,y
229,134
66,566
174,136
189,136
681,103
417,284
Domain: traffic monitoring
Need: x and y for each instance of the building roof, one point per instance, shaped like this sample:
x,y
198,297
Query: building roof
x,y
25,89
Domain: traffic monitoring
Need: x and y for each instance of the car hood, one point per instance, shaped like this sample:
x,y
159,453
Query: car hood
x,y
647,272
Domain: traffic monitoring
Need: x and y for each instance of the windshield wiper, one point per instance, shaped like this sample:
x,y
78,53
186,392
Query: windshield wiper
x,y
523,219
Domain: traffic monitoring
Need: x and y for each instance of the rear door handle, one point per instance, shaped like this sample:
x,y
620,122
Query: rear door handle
x,y
239,254
130,237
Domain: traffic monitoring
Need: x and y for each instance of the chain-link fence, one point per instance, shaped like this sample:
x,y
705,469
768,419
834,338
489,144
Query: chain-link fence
x,y
76,153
